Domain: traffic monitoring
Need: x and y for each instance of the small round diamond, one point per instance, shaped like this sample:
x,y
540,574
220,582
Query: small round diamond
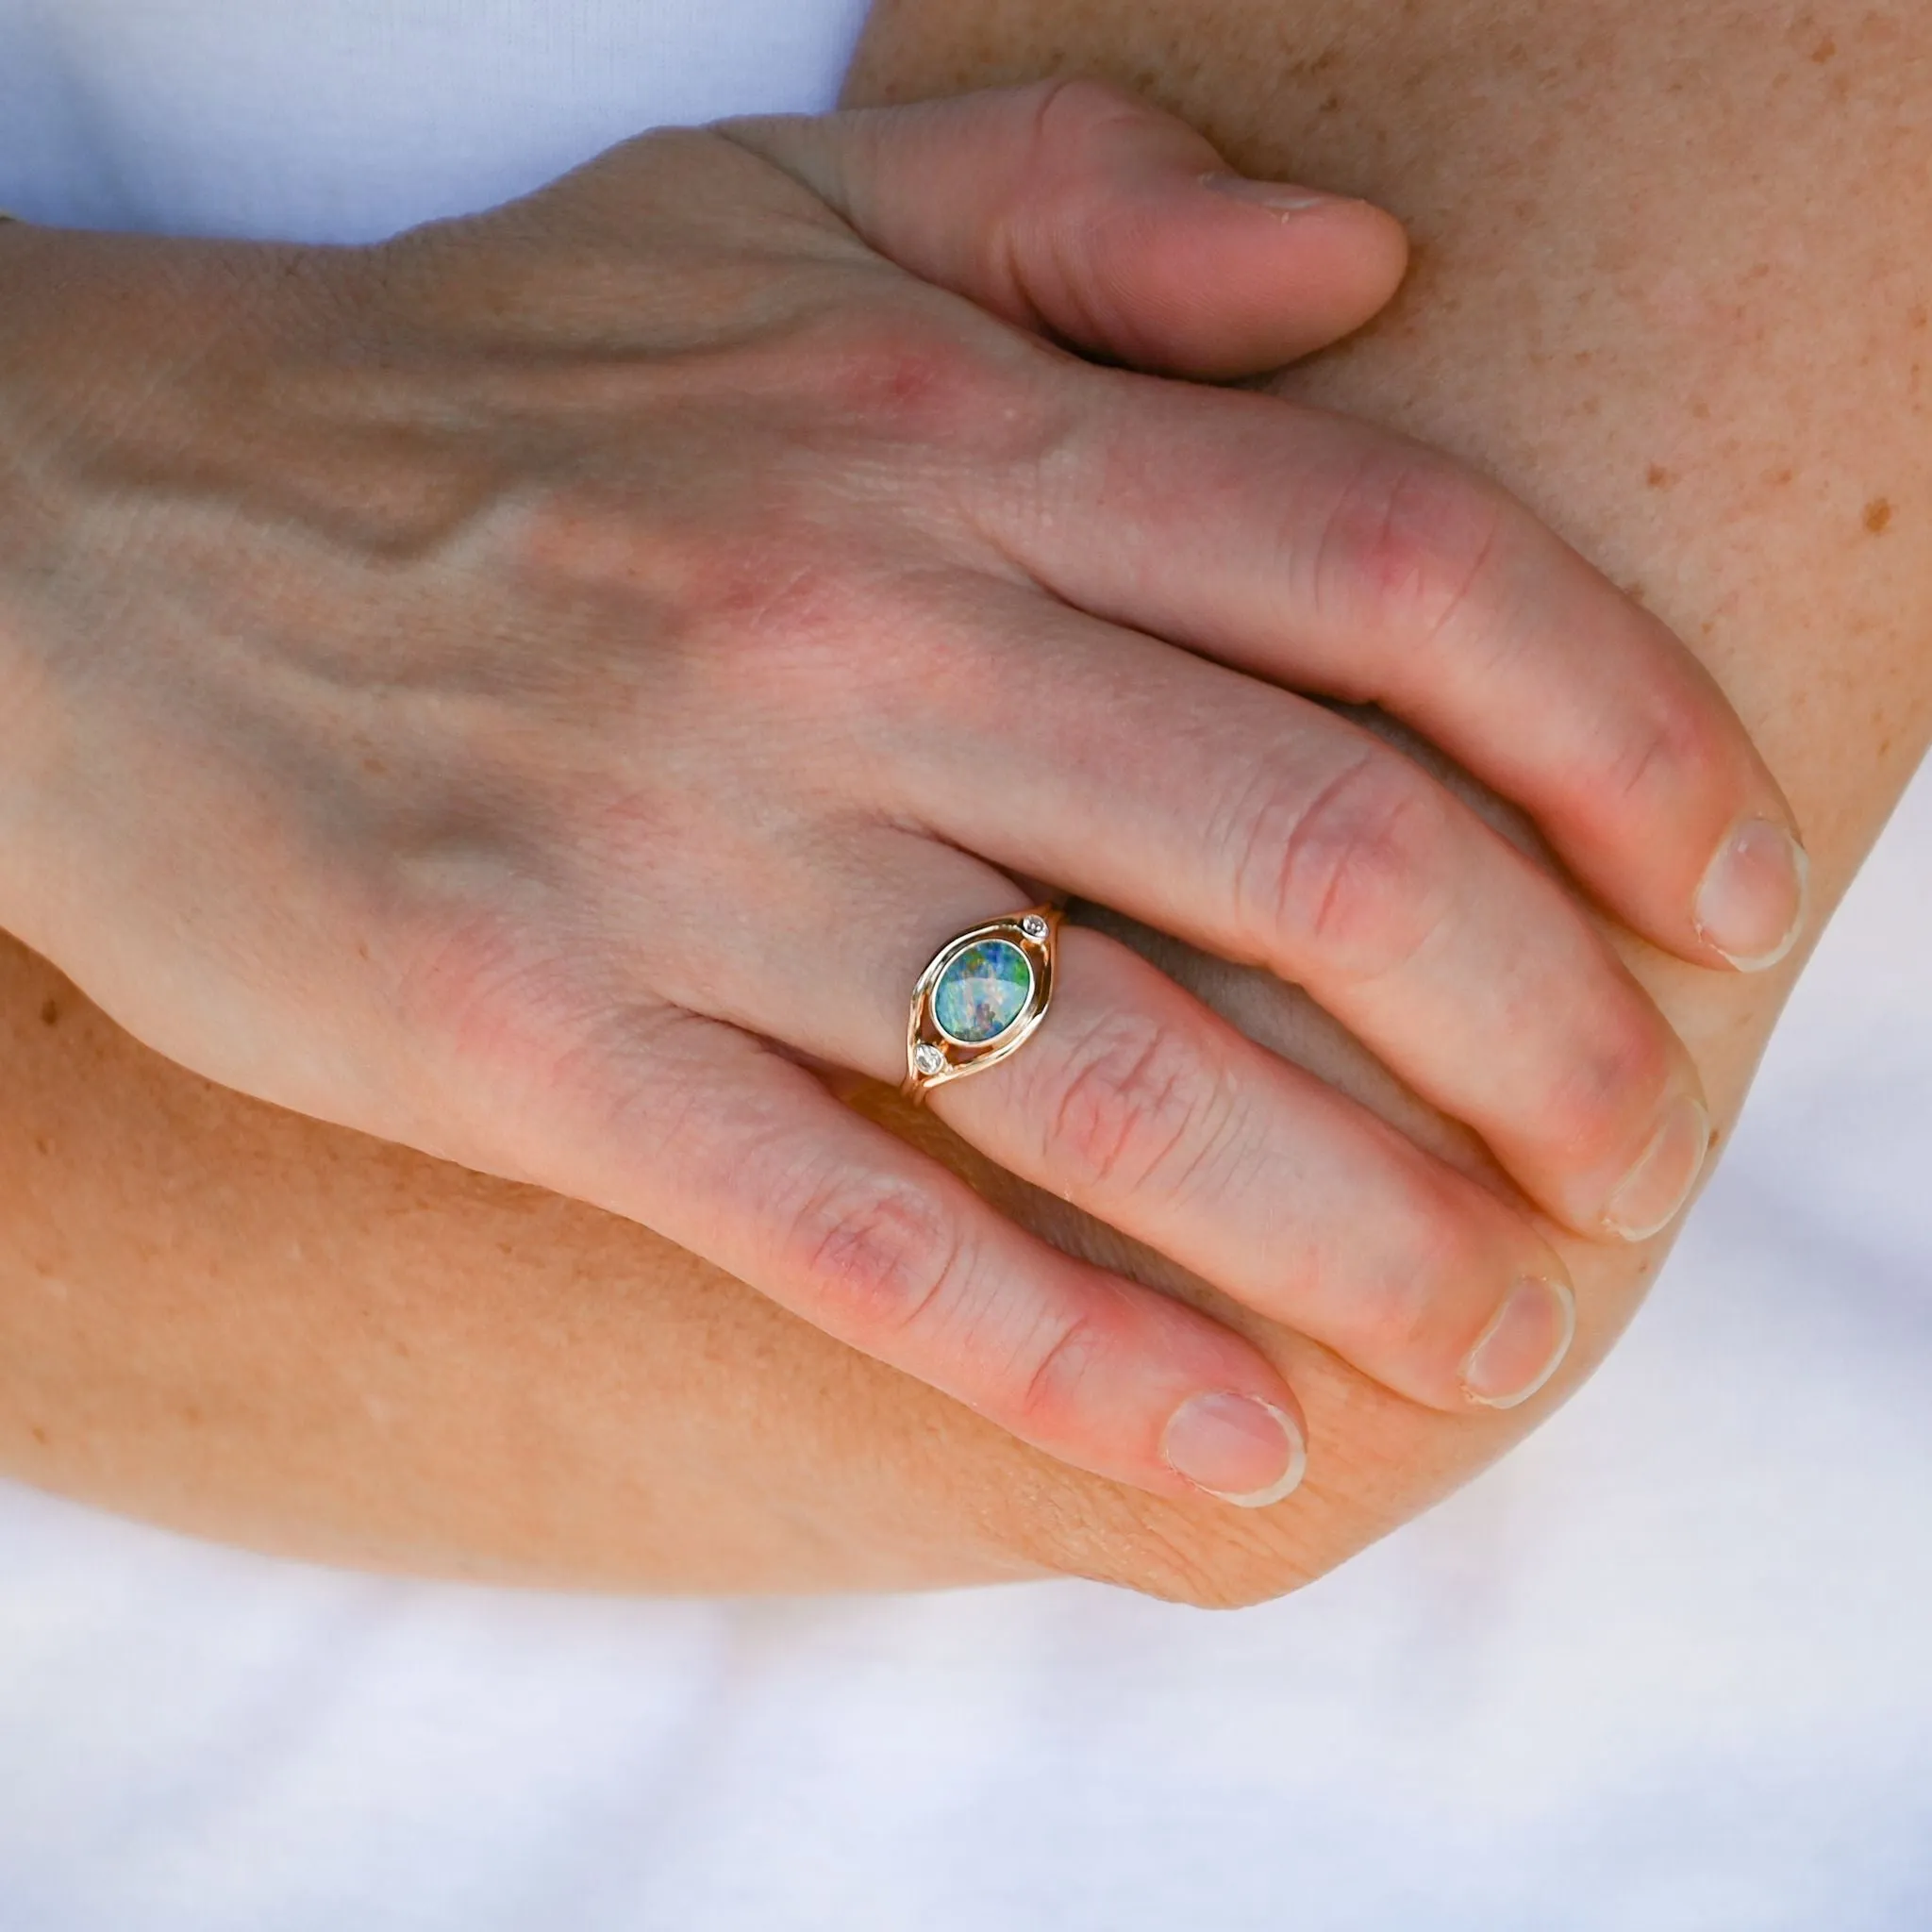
x,y
929,1058
1033,926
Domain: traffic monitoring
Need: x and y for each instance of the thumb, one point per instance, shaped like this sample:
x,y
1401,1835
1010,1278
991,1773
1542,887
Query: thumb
x,y
1084,213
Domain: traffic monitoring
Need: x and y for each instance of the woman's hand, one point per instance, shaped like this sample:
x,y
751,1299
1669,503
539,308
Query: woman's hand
x,y
539,692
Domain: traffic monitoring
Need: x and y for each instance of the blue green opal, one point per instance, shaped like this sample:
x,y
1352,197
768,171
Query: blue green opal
x,y
982,991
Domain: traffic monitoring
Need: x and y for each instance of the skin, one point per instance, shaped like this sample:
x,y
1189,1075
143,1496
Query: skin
x,y
1767,520
451,580
579,617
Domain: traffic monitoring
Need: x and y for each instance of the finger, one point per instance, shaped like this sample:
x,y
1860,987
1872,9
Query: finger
x,y
1141,1106
1265,829
1137,1104
1079,210
698,1131
1326,554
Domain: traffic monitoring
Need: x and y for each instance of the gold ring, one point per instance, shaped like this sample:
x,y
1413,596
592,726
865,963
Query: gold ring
x,y
980,998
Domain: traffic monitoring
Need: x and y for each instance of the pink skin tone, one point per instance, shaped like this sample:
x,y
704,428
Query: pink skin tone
x,y
574,617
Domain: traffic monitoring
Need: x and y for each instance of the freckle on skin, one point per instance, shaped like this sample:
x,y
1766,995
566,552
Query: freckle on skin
x,y
1823,50
1877,515
1778,478
50,1012
1659,477
40,1435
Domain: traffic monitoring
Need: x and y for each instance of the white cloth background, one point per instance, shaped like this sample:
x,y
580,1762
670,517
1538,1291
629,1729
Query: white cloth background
x,y
343,119
1665,1670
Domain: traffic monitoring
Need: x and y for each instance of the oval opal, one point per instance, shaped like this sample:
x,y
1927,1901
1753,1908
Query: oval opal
x,y
982,991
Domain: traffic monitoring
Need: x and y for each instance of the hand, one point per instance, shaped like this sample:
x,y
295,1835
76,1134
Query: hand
x,y
537,690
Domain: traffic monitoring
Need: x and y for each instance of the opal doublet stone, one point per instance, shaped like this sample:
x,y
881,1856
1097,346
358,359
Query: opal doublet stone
x,y
982,991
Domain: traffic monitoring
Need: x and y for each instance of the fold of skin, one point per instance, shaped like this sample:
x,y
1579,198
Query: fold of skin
x,y
1668,288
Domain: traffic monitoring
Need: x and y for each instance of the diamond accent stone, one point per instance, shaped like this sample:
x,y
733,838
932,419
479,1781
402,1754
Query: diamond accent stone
x,y
929,1058
1033,926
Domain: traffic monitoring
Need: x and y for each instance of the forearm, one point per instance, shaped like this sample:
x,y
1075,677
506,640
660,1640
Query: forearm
x,y
293,1336
1652,295
228,1317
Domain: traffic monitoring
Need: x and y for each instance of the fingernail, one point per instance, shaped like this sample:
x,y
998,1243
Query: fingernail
x,y
1650,1194
1236,1447
1519,1350
1279,195
1751,906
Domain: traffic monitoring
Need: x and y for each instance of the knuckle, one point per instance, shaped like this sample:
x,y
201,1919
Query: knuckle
x,y
1604,1084
1138,1104
495,983
748,601
1075,107
919,370
565,534
1068,241
1412,546
505,1038
472,982
762,614
1067,1361
1060,123
1431,1254
1352,875
1650,748
881,1256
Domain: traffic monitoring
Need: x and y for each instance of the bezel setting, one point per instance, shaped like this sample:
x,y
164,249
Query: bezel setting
x,y
934,1056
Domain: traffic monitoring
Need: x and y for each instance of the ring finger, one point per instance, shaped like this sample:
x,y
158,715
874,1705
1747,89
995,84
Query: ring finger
x,y
1140,1106
1267,829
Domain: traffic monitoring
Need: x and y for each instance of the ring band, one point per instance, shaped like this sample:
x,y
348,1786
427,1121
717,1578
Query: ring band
x,y
980,998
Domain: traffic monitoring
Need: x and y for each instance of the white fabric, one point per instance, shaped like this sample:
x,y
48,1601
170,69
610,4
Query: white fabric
x,y
1664,1671
344,120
